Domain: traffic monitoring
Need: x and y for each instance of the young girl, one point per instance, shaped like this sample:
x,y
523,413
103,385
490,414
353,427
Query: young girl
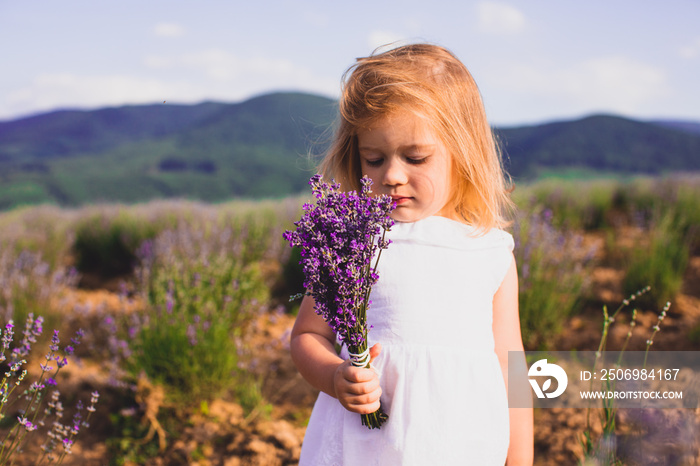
x,y
444,312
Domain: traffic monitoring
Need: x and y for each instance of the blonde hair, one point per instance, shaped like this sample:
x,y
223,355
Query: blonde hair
x,y
431,82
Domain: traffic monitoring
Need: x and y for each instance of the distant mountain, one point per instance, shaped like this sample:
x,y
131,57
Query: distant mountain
x,y
70,132
260,148
600,142
692,127
209,152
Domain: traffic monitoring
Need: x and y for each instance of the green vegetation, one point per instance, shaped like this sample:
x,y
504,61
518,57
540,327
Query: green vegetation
x,y
586,205
659,262
552,273
199,278
210,152
554,266
600,142
262,148
203,284
604,449
105,245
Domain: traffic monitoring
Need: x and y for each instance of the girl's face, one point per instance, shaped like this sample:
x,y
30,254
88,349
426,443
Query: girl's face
x,y
405,160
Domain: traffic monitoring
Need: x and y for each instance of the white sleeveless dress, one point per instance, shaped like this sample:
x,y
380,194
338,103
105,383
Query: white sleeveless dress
x,y
441,380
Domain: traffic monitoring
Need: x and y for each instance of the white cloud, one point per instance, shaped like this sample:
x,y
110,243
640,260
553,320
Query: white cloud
x,y
212,74
380,38
217,64
499,18
168,30
65,90
612,84
223,66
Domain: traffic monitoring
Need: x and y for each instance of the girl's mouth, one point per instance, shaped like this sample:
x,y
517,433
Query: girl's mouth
x,y
400,199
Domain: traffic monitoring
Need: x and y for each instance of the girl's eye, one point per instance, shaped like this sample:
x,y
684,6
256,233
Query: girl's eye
x,y
417,160
374,163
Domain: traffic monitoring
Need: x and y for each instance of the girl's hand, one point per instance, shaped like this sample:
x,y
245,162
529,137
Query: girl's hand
x,y
358,388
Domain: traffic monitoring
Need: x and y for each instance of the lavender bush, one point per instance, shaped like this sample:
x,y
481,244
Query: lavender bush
x,y
338,237
552,272
36,405
585,205
45,230
660,262
202,287
106,242
217,262
608,204
28,285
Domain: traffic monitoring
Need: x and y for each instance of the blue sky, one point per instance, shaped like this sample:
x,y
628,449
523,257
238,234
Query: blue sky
x,y
534,60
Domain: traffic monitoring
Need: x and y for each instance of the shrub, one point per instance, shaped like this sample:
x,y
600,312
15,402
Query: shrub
x,y
582,205
46,230
28,285
106,243
551,272
661,263
686,212
203,287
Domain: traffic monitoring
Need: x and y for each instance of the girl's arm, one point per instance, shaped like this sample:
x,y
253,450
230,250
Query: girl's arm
x,y
313,351
506,332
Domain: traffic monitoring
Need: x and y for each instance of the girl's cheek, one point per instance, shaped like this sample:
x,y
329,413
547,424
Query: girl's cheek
x,y
372,174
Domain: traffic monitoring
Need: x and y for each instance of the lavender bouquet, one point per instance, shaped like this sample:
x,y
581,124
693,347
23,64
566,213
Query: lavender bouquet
x,y
338,238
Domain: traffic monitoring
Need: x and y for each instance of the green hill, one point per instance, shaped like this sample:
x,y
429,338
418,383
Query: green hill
x,y
600,143
69,132
260,148
214,152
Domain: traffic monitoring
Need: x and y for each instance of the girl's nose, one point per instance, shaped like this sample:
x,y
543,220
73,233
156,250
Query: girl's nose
x,y
395,174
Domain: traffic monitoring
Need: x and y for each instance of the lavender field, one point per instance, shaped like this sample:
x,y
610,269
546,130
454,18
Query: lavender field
x,y
172,322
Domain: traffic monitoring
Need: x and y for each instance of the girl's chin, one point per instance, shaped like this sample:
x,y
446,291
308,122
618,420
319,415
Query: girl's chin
x,y
403,216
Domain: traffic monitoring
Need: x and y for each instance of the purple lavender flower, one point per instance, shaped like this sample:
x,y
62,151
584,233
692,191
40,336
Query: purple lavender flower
x,y
36,386
7,337
24,422
192,334
67,445
32,330
338,238
79,334
54,341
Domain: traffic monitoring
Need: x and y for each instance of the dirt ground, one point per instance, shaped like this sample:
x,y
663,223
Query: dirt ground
x,y
223,435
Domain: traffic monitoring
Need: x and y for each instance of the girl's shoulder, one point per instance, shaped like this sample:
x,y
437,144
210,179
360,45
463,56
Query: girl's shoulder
x,y
444,232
